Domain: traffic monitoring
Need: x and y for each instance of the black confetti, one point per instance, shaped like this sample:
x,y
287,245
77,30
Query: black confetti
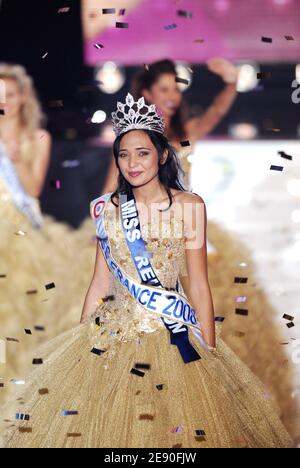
x,y
288,317
137,372
184,14
160,387
269,40
262,75
122,25
108,11
290,325
185,143
28,332
25,430
219,319
289,38
142,366
200,432
39,328
32,292
169,27
241,312
50,286
22,417
98,352
37,362
285,156
241,280
182,80
70,413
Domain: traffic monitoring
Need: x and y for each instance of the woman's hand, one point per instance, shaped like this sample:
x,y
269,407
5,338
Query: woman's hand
x,y
224,68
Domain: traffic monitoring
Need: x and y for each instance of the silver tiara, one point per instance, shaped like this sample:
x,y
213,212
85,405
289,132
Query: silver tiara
x,y
136,115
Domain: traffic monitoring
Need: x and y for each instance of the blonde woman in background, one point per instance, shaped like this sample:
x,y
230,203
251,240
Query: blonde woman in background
x,y
34,252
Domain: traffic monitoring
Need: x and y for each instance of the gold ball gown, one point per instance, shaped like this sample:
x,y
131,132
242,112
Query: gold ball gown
x,y
35,254
84,392
255,338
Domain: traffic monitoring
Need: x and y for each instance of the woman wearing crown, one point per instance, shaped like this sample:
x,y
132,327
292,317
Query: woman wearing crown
x,y
144,368
255,338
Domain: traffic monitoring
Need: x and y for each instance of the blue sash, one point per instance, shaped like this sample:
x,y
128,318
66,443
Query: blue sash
x,y
175,311
26,204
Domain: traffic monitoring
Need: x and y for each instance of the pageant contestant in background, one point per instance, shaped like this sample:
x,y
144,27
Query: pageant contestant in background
x,y
255,338
144,368
34,253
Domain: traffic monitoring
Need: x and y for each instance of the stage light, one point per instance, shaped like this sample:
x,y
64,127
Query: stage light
x,y
243,131
99,117
111,77
247,79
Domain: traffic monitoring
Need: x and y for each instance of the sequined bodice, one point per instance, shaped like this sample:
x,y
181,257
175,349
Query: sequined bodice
x,y
165,243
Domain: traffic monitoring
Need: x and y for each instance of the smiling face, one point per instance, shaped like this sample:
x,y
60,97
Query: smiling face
x,y
138,158
165,94
14,99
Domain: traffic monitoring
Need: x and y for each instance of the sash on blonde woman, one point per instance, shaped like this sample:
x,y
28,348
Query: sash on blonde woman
x,y
173,308
26,204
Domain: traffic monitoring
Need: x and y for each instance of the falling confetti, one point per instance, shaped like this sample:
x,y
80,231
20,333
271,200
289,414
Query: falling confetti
x,y
276,168
146,417
290,325
285,156
243,312
241,280
70,413
137,372
37,362
22,417
25,430
288,317
263,75
98,352
182,80
122,25
268,40
185,143
184,14
169,27
142,366
50,286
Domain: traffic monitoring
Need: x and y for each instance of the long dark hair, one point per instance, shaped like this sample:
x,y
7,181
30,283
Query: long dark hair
x,y
147,77
169,172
